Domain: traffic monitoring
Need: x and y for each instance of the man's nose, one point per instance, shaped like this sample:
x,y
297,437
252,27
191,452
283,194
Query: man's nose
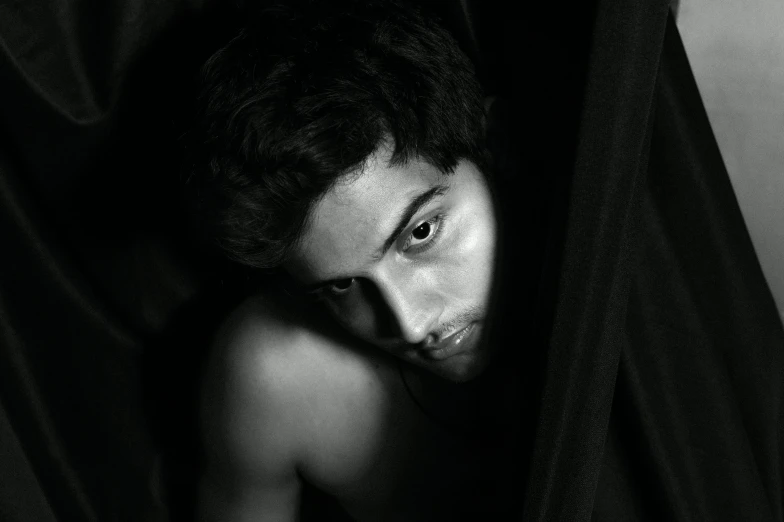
x,y
414,305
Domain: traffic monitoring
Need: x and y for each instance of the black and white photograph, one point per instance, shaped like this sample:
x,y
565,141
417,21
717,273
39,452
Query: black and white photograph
x,y
391,261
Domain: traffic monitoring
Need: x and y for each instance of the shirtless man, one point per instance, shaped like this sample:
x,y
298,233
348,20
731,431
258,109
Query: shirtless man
x,y
342,148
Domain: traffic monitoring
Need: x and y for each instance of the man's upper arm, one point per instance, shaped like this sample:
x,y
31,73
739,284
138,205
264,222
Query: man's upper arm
x,y
249,426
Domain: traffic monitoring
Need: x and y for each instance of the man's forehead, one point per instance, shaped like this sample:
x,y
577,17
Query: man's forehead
x,y
379,178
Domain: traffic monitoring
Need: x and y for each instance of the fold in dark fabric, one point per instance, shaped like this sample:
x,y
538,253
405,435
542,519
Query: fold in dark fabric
x,y
600,233
696,427
662,393
650,349
88,275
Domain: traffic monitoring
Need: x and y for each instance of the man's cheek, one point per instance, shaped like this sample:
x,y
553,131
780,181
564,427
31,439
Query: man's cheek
x,y
470,273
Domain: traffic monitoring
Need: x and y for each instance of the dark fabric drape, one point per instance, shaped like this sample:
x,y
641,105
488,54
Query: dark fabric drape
x,y
88,274
649,346
600,236
696,427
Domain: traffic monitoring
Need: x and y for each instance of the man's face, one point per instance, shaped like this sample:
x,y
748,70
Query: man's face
x,y
403,258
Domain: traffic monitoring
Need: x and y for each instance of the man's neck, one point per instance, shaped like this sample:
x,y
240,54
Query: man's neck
x,y
478,409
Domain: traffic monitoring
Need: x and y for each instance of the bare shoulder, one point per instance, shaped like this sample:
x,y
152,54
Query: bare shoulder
x,y
280,392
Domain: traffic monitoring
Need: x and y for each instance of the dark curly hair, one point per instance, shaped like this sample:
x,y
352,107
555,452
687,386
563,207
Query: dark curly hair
x,y
302,96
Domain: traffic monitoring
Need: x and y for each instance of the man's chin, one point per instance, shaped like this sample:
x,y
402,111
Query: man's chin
x,y
460,368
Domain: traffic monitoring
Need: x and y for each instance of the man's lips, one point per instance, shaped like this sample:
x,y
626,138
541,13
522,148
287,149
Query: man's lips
x,y
452,345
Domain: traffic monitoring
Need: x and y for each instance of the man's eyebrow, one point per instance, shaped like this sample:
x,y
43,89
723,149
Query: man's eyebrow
x,y
411,209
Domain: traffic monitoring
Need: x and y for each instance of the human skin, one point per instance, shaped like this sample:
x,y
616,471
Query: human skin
x,y
435,278
291,398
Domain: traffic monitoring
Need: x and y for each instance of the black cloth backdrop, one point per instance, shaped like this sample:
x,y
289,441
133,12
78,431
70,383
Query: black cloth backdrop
x,y
649,344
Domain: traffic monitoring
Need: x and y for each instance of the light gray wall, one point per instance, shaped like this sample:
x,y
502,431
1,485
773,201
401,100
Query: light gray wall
x,y
736,50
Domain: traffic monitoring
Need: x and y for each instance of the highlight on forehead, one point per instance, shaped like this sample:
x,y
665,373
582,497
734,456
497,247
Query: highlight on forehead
x,y
388,155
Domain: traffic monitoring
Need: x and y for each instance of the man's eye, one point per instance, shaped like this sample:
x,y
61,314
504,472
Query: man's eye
x,y
425,232
340,287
